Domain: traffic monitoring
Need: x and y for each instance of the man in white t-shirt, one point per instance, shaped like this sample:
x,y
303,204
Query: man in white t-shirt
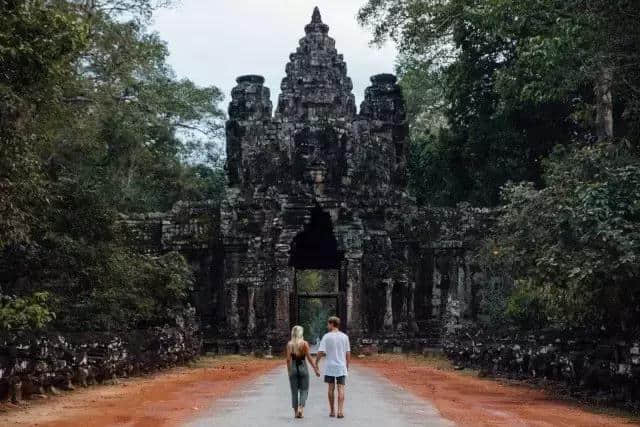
x,y
335,347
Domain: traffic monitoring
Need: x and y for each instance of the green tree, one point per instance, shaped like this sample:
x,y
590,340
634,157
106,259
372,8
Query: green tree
x,y
95,123
518,78
38,44
24,313
145,133
575,245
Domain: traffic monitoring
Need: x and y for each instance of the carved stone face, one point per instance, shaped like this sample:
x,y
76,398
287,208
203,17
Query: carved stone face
x,y
317,155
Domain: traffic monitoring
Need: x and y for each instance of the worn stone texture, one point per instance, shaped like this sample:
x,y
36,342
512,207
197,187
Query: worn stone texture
x,y
33,364
589,365
317,185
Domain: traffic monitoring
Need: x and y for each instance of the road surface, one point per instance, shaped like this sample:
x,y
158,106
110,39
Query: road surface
x,y
371,401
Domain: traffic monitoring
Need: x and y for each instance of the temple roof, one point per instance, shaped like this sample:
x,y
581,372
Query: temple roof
x,y
316,84
316,18
316,25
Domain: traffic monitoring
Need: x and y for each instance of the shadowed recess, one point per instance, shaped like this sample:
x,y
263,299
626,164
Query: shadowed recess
x,y
316,247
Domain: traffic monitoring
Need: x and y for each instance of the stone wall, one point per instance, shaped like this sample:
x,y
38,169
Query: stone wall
x,y
188,226
191,228
32,364
320,185
587,365
317,184
311,186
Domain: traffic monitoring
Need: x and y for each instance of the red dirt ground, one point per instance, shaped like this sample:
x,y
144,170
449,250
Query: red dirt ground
x,y
471,401
161,400
167,399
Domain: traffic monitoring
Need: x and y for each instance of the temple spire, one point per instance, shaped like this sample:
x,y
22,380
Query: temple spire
x,y
316,25
317,17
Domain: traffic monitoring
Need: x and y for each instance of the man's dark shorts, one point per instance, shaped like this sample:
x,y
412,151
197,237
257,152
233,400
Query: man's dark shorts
x,y
342,380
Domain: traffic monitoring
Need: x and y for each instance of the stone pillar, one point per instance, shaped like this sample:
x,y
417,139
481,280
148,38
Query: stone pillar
x,y
413,326
283,286
231,274
352,295
461,284
233,317
388,308
251,310
437,290
281,320
404,283
468,280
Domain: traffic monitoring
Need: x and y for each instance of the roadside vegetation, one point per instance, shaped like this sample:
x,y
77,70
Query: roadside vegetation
x,y
533,106
93,122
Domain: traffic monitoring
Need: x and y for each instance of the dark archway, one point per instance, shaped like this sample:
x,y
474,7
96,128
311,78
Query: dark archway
x,y
316,246
314,252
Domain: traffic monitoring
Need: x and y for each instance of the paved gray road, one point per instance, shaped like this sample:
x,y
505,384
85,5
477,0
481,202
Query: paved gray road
x,y
371,401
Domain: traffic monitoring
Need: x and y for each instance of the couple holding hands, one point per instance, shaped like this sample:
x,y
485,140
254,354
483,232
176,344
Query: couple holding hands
x,y
335,347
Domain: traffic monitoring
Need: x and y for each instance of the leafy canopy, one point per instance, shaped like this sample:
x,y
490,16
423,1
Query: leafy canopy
x,y
576,243
93,122
494,85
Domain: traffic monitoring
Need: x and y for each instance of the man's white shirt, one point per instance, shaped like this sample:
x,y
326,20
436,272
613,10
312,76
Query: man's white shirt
x,y
335,346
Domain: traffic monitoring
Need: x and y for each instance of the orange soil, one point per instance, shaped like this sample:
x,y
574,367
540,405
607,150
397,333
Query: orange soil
x,y
471,401
165,399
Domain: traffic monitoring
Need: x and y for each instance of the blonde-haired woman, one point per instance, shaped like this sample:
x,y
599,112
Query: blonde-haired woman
x,y
297,351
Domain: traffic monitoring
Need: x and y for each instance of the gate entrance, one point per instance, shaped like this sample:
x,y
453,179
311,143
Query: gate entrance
x,y
317,300
318,283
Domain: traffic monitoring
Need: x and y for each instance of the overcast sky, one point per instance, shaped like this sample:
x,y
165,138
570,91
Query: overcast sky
x,y
214,41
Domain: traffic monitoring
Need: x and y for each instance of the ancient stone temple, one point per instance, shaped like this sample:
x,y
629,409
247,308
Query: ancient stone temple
x,y
317,185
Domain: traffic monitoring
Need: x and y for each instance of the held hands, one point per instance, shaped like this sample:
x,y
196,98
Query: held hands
x,y
317,371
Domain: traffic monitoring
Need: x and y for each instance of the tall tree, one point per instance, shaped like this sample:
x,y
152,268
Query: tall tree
x,y
576,243
95,123
38,45
518,77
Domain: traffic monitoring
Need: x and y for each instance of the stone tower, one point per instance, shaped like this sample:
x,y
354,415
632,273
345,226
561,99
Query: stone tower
x,y
317,185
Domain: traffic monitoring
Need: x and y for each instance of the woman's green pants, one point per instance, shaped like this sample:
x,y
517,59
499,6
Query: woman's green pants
x,y
299,381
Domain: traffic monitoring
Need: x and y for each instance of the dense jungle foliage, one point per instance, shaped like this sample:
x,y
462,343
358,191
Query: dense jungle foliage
x,y
532,106
535,106
93,122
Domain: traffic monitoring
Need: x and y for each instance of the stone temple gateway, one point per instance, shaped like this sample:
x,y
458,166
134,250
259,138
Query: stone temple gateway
x,y
318,185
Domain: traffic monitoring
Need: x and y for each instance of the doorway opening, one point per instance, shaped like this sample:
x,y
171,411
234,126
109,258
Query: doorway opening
x,y
317,295
318,286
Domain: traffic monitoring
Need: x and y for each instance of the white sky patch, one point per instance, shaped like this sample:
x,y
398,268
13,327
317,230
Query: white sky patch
x,y
211,42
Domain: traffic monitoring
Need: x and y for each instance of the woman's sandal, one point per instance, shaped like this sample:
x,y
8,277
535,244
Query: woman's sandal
x,y
340,415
